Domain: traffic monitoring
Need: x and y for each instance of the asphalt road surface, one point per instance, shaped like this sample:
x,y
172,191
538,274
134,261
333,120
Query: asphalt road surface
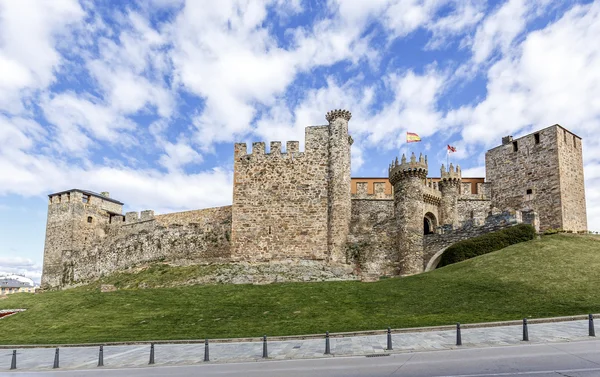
x,y
576,359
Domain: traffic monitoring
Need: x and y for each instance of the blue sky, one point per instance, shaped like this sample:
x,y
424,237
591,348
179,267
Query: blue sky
x,y
145,99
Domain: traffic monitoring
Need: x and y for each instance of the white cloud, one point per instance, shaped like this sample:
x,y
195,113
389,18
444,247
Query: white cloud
x,y
179,155
500,29
20,266
28,55
550,77
80,121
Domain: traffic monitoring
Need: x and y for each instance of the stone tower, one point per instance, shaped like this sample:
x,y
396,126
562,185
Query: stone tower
x,y
338,183
294,204
450,187
408,180
75,219
542,172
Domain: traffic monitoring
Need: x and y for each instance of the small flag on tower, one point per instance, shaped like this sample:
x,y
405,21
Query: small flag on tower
x,y
412,137
451,149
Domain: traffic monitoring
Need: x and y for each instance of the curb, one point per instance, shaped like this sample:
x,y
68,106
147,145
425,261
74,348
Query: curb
x,y
313,336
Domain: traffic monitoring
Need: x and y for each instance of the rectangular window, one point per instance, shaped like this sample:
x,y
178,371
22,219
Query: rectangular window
x,y
565,136
85,198
574,141
529,191
537,138
515,146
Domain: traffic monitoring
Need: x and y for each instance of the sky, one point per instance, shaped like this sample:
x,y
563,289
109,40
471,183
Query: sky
x,y
145,99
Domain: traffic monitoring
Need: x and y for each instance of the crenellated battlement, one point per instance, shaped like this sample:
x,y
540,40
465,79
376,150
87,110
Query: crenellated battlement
x,y
259,150
413,168
339,113
450,176
132,217
432,195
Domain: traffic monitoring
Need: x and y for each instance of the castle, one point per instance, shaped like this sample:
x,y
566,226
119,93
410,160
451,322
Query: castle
x,y
298,215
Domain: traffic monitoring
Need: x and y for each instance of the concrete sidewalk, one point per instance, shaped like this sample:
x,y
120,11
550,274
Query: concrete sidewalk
x,y
123,356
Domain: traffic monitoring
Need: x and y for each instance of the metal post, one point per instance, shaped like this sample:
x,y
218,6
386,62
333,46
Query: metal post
x,y
13,363
327,348
389,339
458,337
525,331
206,358
591,322
265,354
151,354
56,364
101,357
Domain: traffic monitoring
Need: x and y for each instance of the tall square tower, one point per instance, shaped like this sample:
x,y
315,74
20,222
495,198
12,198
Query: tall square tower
x,y
542,171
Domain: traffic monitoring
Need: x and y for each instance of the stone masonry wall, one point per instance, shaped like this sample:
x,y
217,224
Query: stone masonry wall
x,y
73,223
473,210
572,186
434,243
372,240
181,238
280,200
532,166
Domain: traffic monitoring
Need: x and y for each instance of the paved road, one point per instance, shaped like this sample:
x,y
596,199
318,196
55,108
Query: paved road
x,y
135,356
573,359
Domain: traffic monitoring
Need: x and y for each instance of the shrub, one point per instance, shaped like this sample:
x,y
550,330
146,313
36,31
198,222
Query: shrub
x,y
487,243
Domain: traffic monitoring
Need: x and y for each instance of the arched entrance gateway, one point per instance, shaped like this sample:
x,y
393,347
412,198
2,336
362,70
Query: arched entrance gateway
x,y
429,223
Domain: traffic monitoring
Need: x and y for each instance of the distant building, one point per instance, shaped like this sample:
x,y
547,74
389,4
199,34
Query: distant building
x,y
15,284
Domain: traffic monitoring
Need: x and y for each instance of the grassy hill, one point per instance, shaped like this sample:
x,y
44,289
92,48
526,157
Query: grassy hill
x,y
555,275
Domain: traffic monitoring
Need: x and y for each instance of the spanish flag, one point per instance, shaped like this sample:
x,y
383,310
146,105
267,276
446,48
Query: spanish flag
x,y
412,137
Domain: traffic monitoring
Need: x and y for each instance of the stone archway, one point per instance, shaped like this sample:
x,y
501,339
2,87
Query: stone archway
x,y
435,260
429,223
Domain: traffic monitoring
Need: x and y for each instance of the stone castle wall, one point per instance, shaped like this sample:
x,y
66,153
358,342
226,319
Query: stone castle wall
x,y
525,175
281,200
434,244
371,243
297,215
74,221
102,247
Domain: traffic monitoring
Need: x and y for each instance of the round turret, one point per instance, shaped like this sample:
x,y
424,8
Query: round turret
x,y
403,169
408,178
450,189
339,113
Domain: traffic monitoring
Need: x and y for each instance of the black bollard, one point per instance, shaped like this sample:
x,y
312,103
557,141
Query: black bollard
x,y
56,365
13,363
151,354
389,339
206,358
458,337
525,331
265,354
327,348
101,357
591,322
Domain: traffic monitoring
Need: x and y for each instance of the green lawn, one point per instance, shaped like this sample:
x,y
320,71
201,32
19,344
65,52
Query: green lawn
x,y
557,275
